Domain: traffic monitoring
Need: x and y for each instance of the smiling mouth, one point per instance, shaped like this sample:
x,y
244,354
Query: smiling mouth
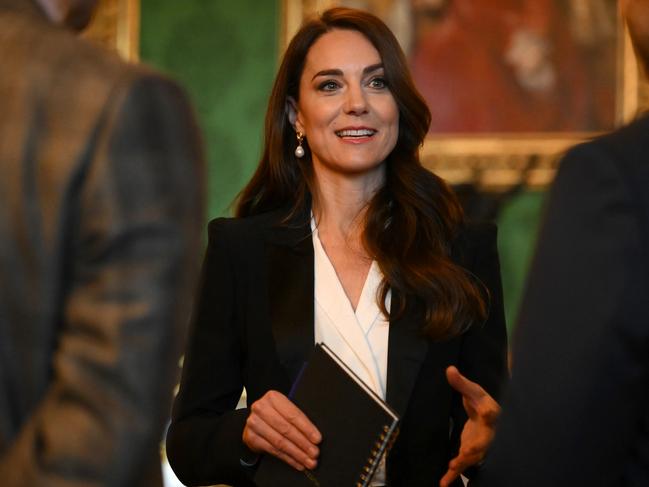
x,y
355,133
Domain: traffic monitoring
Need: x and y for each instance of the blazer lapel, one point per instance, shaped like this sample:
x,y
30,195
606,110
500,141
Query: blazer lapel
x,y
289,254
407,349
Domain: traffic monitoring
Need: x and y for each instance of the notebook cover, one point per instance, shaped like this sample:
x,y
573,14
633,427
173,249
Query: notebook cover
x,y
356,426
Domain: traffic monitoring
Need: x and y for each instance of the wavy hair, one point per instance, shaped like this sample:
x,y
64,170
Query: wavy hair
x,y
411,221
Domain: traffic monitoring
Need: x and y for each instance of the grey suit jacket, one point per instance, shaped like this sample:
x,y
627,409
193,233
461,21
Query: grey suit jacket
x,y
100,215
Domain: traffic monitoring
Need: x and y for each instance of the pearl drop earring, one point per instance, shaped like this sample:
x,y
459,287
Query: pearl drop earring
x,y
299,150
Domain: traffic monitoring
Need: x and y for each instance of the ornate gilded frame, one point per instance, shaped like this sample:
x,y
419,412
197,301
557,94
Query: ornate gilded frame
x,y
116,25
500,161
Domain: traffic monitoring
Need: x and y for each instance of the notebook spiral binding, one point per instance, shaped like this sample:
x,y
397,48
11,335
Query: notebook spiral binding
x,y
381,447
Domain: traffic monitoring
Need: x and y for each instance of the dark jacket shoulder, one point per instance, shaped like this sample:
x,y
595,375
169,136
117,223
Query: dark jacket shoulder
x,y
472,235
275,226
629,137
626,147
242,225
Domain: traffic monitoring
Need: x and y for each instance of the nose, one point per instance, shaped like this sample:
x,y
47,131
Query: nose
x,y
355,101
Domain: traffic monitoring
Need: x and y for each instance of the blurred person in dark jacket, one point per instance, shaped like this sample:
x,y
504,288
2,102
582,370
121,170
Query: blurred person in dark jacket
x,y
100,211
577,411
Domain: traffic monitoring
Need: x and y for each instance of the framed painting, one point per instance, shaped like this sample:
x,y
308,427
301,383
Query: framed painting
x,y
116,25
510,83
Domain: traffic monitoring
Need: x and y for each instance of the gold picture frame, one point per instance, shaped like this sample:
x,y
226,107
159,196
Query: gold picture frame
x,y
116,25
498,161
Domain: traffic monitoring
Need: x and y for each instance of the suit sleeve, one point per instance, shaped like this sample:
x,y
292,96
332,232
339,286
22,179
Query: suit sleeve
x,y
204,442
579,381
483,354
134,217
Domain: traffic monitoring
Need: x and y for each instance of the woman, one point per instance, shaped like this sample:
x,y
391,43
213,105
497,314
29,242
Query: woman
x,y
341,237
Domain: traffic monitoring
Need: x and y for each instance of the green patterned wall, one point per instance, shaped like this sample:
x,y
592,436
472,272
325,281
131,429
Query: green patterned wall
x,y
517,229
225,53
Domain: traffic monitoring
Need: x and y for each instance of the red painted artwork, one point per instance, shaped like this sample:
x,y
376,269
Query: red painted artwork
x,y
487,66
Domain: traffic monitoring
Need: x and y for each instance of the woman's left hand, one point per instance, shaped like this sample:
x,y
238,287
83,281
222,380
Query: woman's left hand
x,y
479,429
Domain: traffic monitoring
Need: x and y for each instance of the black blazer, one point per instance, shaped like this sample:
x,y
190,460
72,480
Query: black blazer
x,y
577,412
253,327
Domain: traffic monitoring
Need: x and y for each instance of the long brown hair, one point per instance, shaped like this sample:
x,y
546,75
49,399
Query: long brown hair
x,y
411,221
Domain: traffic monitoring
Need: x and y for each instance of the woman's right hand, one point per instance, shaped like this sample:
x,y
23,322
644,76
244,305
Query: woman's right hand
x,y
276,426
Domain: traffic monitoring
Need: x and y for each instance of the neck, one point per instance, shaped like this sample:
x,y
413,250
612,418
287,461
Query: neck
x,y
342,201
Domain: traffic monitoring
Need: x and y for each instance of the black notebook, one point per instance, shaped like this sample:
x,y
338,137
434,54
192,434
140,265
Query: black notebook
x,y
357,427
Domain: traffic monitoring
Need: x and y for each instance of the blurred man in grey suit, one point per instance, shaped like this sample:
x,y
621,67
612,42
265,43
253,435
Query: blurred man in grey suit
x,y
100,211
577,411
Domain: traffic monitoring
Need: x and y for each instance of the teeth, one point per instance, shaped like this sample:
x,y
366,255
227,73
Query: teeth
x,y
355,133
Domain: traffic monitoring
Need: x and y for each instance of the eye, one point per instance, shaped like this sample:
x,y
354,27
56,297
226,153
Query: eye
x,y
378,83
329,85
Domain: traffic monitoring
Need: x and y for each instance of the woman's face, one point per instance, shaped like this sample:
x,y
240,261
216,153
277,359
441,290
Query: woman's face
x,y
346,110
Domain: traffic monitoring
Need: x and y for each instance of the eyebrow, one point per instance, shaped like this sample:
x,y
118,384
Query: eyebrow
x,y
337,72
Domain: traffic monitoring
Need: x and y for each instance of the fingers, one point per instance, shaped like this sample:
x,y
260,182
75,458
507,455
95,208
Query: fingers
x,y
477,402
464,386
465,460
449,477
266,447
276,426
459,464
478,431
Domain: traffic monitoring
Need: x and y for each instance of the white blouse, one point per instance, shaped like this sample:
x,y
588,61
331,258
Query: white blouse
x,y
359,338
